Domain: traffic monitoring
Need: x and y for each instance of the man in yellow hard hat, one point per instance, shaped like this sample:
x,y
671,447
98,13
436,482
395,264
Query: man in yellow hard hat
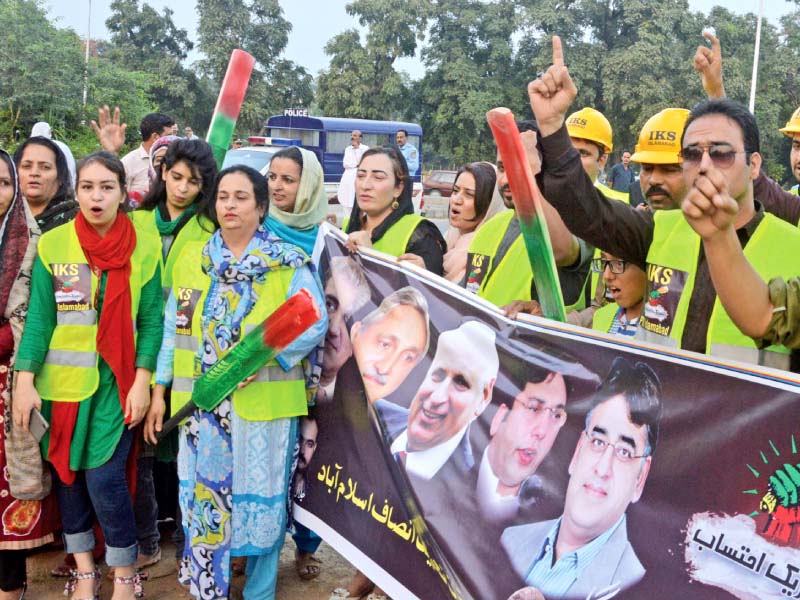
x,y
658,152
592,136
792,131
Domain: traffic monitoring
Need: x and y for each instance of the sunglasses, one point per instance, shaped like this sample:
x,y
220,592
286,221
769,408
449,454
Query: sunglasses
x,y
721,155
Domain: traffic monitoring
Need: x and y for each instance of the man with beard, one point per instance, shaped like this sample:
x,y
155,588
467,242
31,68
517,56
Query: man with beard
x,y
683,310
498,267
658,153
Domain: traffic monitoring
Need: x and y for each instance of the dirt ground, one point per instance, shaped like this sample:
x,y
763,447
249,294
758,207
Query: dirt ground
x,y
163,583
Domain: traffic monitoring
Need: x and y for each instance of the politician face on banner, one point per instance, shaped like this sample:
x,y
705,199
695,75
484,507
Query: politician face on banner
x,y
390,341
456,389
608,471
345,292
523,434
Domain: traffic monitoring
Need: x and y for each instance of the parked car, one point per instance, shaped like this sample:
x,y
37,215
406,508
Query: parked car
x,y
436,190
439,183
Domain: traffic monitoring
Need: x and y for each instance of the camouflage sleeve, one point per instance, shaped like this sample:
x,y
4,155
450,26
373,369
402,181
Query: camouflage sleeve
x,y
784,328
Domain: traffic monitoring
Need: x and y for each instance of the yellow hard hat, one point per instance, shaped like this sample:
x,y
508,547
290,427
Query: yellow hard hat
x,y
590,124
793,125
660,138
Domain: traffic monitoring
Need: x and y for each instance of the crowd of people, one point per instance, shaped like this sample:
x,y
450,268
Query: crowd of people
x,y
122,281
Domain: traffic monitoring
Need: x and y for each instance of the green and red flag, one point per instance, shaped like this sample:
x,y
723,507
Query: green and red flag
x,y
229,103
289,321
528,204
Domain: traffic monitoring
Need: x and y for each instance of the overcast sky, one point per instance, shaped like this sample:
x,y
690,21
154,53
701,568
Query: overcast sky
x,y
314,22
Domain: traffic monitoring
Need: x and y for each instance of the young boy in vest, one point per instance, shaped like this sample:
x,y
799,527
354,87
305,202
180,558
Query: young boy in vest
x,y
625,284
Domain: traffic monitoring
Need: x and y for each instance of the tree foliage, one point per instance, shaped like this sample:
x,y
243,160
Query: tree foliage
x,y
629,59
362,81
258,27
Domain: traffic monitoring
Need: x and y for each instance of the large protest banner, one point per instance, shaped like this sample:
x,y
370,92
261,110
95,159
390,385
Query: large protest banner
x,y
459,453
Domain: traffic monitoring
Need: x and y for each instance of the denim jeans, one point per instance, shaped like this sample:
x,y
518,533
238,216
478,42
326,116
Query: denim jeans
x,y
145,507
101,492
305,539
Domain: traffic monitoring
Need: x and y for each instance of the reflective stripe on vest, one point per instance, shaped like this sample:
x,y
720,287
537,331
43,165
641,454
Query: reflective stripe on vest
x,y
76,317
274,393
612,193
71,358
671,271
395,240
69,372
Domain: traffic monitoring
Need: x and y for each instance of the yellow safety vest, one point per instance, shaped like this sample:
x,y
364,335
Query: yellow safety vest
x,y
275,393
511,278
612,193
604,317
795,190
69,372
192,231
671,271
395,240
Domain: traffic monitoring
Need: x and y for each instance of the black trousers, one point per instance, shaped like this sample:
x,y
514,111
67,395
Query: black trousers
x,y
12,569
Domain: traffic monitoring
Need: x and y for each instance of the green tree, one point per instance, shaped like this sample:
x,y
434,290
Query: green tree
x,y
146,42
362,81
41,70
469,71
258,27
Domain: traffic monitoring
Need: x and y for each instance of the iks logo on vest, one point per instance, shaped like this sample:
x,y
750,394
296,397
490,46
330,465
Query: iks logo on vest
x,y
187,304
72,286
477,267
664,288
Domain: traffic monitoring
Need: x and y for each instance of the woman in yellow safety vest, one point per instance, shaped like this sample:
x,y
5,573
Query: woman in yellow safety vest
x,y
383,215
87,354
223,288
183,173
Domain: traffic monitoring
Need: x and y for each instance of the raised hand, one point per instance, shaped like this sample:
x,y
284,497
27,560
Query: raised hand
x,y
708,207
110,133
552,94
708,62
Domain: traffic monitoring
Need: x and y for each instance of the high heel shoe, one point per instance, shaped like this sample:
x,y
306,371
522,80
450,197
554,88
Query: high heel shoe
x,y
72,583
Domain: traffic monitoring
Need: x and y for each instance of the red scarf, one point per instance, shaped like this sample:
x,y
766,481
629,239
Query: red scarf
x,y
115,344
112,253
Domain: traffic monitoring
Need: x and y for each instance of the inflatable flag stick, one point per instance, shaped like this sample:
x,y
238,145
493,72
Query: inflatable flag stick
x,y
253,351
528,203
229,103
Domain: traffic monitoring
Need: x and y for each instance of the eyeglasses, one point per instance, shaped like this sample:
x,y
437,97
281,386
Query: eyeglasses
x,y
721,155
622,450
617,265
557,415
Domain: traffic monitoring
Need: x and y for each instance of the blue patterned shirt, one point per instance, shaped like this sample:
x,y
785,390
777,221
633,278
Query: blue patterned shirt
x,y
554,580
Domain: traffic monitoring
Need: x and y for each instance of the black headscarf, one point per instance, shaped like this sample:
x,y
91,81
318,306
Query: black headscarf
x,y
406,206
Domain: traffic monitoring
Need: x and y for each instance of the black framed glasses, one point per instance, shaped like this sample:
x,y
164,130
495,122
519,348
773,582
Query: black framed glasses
x,y
622,450
721,155
617,265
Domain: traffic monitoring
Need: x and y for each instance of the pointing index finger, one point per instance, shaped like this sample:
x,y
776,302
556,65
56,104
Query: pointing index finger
x,y
558,53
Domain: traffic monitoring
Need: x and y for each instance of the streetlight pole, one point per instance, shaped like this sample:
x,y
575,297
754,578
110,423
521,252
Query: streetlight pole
x,y
86,56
